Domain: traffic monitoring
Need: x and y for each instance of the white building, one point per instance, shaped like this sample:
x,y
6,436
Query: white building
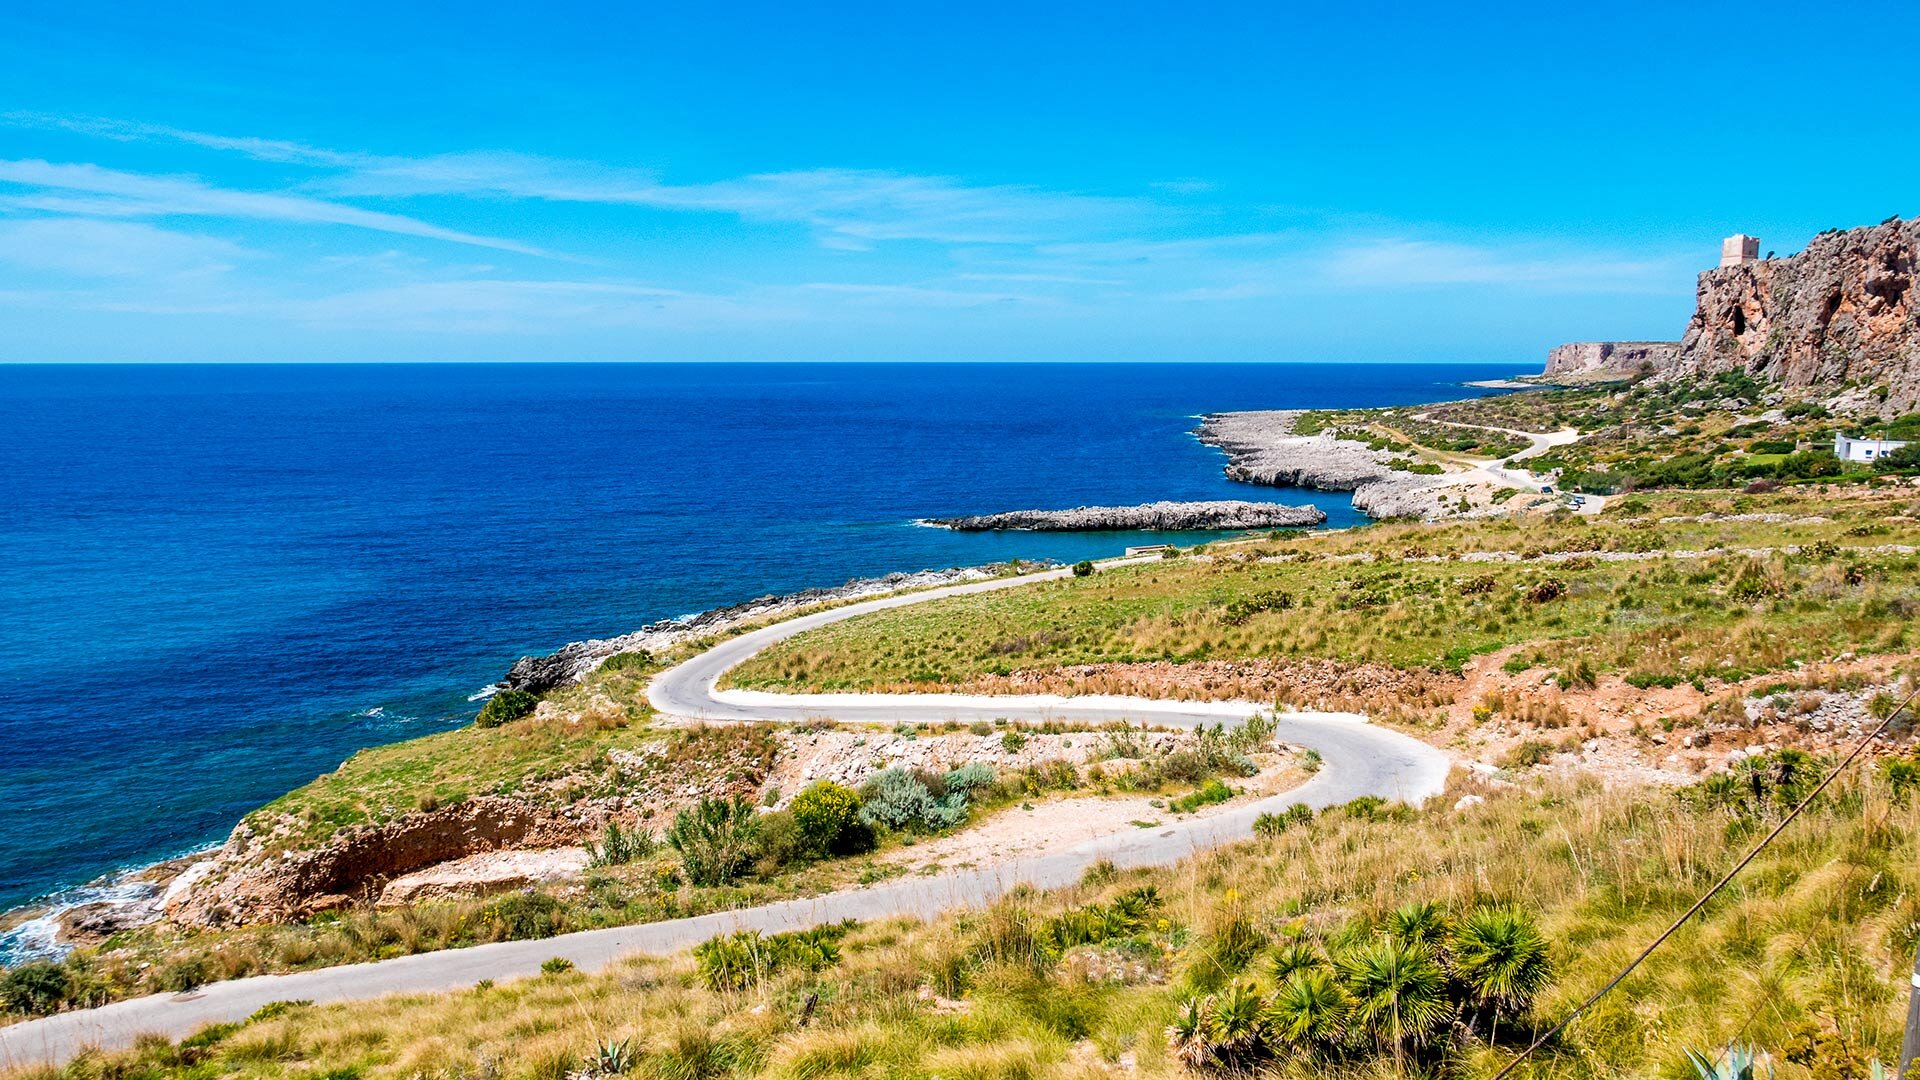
x,y
1849,449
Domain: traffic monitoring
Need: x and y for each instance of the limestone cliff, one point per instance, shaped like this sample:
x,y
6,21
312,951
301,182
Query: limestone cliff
x,y
1843,309
1610,358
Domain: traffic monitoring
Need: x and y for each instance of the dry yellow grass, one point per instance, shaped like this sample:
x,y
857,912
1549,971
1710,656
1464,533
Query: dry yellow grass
x,y
1804,956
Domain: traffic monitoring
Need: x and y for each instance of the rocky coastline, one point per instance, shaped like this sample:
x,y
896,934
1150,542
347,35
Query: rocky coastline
x,y
1262,448
1146,517
575,660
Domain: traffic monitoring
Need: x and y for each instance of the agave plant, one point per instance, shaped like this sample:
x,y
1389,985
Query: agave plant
x,y
1309,1010
1741,1064
1503,960
1399,993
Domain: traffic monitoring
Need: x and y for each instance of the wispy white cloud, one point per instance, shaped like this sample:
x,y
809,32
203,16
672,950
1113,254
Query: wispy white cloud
x,y
113,249
1400,262
848,208
922,251
919,296
100,192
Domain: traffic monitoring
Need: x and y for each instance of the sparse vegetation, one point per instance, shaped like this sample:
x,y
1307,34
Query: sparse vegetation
x,y
1587,598
1323,925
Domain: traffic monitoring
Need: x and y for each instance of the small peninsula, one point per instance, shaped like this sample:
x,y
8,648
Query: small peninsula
x,y
1148,517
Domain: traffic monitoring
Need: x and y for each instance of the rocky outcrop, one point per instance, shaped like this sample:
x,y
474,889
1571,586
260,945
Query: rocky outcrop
x,y
1262,448
486,874
575,660
357,862
1158,516
1845,309
1584,360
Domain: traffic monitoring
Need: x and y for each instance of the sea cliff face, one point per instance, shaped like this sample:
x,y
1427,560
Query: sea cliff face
x,y
1158,516
1616,359
1843,309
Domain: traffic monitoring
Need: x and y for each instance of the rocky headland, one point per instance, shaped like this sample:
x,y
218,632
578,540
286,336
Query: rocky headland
x,y
1841,316
1262,448
1843,310
1149,517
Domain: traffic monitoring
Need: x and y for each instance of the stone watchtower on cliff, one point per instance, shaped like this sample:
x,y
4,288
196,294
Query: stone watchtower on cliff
x,y
1739,249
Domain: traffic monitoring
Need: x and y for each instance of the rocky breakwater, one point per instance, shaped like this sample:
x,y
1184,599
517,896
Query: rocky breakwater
x,y
1261,448
575,660
1844,309
1149,517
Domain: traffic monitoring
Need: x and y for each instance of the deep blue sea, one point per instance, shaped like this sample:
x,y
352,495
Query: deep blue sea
x,y
219,581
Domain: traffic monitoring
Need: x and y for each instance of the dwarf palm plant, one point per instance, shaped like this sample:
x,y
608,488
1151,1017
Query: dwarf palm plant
x,y
1189,1037
1309,1010
1295,956
1503,959
1423,922
1399,993
1239,1027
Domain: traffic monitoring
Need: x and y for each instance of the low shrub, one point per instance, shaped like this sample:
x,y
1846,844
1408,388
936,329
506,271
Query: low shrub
x,y
505,706
715,839
741,959
1528,754
827,821
1209,793
521,916
1411,987
898,799
36,988
1238,612
1092,924
1273,824
1083,568
619,846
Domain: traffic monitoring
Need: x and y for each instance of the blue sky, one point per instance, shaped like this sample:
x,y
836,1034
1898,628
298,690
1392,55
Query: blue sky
x,y
917,181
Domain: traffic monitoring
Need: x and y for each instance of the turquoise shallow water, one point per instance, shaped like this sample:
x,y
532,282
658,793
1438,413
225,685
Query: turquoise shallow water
x,y
220,581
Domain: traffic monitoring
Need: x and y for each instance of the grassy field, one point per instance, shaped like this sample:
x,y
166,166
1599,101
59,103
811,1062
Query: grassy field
x,y
1804,956
549,761
1415,597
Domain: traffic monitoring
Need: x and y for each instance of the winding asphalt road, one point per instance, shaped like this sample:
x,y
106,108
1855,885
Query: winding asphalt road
x,y
1359,759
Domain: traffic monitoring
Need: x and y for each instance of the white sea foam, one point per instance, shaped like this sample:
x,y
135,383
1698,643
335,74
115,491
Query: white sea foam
x,y
38,938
